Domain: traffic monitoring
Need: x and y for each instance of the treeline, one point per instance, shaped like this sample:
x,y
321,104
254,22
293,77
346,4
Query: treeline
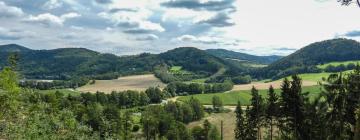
x,y
162,72
339,68
56,84
183,89
292,115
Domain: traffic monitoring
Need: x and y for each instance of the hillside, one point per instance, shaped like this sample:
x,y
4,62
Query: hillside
x,y
227,54
305,59
68,62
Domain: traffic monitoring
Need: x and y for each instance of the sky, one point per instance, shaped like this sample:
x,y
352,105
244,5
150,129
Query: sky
x,y
126,27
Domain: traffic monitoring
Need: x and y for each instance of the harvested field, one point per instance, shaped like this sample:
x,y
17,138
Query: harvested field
x,y
137,82
275,84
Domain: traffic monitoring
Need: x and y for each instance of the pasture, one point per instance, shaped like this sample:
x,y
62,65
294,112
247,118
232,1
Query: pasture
x,y
323,66
136,82
244,96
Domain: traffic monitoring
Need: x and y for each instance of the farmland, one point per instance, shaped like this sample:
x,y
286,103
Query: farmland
x,y
244,96
323,66
137,82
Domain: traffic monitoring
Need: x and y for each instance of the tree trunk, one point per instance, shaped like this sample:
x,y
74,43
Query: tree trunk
x,y
271,129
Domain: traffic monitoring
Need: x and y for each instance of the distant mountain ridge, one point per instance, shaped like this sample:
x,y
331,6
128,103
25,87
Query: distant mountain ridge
x,y
64,63
227,54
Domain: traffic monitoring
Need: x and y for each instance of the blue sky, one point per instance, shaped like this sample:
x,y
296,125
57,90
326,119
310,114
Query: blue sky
x,y
127,27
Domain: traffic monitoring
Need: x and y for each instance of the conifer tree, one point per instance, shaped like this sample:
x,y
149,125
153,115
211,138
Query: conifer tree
x,y
256,112
272,110
240,129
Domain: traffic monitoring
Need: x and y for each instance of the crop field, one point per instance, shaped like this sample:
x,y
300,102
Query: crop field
x,y
338,63
137,82
244,96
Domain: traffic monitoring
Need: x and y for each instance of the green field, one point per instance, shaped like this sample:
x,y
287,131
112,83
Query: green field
x,y
175,68
64,91
231,98
337,63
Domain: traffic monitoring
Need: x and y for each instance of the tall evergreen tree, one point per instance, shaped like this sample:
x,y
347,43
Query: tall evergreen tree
x,y
272,110
240,129
257,111
353,94
335,94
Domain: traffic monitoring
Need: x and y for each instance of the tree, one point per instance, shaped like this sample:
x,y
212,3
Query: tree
x,y
352,83
155,94
197,108
214,133
207,128
217,103
335,94
357,126
240,129
256,112
272,110
348,2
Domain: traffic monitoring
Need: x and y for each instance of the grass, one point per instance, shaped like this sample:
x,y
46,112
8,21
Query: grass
x,y
175,68
244,96
64,91
338,63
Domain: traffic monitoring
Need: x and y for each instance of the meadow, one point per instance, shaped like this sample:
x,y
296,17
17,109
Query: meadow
x,y
231,98
323,66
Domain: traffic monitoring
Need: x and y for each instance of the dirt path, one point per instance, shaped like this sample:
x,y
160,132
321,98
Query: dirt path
x,y
275,84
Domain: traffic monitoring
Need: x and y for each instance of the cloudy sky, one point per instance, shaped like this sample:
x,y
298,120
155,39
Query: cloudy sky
x,y
123,27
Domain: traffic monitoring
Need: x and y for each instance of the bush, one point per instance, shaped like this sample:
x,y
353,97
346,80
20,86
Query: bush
x,y
242,79
135,128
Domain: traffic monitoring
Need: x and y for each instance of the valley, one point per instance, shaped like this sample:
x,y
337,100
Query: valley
x,y
184,87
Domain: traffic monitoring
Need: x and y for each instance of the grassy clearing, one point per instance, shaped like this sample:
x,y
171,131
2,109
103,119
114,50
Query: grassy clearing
x,y
338,63
64,91
137,82
244,96
175,68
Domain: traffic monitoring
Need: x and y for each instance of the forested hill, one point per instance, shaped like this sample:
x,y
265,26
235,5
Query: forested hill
x,y
305,59
69,62
227,54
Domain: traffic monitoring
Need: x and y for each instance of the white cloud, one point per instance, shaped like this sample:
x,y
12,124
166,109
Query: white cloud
x,y
209,40
149,37
52,4
10,34
133,22
50,19
9,11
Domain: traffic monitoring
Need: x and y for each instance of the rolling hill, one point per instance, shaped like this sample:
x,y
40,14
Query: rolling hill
x,y
227,54
306,59
65,63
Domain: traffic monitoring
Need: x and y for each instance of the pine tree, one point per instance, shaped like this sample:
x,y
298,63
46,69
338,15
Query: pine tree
x,y
297,108
256,112
272,110
353,94
357,126
335,94
240,129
